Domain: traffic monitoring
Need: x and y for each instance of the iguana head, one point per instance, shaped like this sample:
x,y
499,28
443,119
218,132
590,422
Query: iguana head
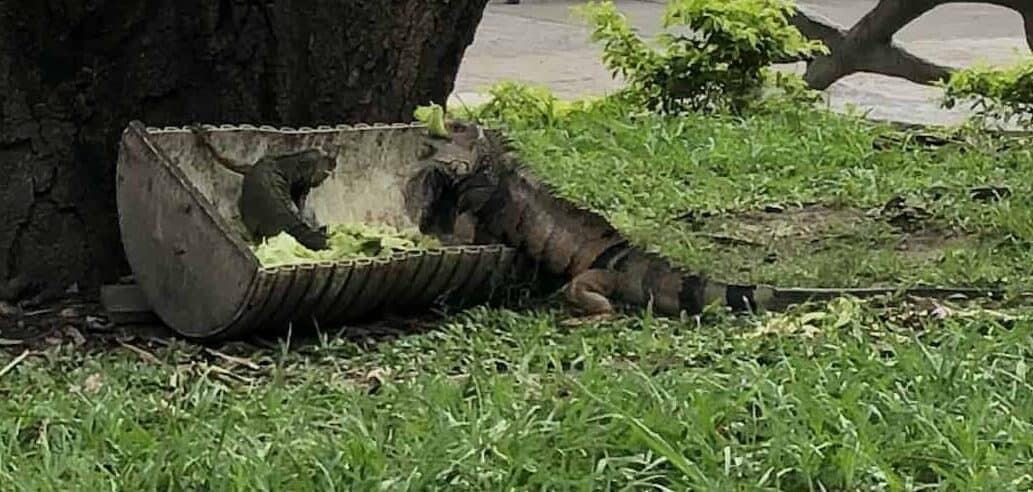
x,y
430,199
325,162
454,152
430,193
464,133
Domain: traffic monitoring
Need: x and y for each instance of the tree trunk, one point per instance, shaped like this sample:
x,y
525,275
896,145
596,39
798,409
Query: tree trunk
x,y
73,73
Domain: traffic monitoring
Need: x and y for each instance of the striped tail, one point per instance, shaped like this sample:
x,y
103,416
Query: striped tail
x,y
768,298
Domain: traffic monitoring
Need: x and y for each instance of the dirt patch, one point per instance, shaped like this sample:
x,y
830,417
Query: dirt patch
x,y
82,323
794,231
72,320
927,243
775,225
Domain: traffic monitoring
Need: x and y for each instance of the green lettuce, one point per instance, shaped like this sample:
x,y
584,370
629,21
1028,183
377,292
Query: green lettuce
x,y
346,241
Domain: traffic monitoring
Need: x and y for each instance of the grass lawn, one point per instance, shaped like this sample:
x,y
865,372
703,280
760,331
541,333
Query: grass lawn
x,y
898,395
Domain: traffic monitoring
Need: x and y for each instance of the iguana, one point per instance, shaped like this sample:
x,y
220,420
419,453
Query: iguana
x,y
274,189
501,201
430,196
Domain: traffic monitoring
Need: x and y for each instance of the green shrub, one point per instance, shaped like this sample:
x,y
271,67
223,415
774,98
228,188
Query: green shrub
x,y
519,105
1005,94
721,64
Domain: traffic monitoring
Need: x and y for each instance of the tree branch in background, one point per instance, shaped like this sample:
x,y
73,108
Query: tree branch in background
x,y
868,46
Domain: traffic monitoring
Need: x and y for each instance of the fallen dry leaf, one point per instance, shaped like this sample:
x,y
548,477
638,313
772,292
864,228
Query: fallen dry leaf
x,y
240,361
93,383
77,338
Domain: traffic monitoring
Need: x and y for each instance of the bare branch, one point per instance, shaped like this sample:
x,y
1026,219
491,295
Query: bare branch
x,y
868,46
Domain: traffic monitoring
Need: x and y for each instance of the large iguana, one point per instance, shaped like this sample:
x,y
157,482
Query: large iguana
x,y
430,196
274,189
498,200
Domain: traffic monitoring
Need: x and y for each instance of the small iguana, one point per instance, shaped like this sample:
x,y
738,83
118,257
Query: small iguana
x,y
274,189
506,204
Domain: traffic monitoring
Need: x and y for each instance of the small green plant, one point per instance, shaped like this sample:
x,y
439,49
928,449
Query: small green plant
x,y
721,64
1002,94
519,105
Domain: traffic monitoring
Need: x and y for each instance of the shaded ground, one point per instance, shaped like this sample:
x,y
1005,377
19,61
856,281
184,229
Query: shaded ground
x,y
790,234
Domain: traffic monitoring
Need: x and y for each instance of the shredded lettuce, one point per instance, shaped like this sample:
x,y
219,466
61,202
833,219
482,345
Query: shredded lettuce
x,y
433,116
346,241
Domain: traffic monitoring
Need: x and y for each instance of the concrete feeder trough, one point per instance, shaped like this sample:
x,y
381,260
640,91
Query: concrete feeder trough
x,y
184,239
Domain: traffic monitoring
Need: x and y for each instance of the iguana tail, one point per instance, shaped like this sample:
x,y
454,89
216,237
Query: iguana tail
x,y
778,298
235,166
632,276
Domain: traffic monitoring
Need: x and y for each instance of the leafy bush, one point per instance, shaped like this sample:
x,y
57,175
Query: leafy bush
x,y
1005,94
520,104
515,104
720,64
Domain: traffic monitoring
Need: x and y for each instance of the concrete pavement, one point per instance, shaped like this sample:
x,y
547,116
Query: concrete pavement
x,y
541,42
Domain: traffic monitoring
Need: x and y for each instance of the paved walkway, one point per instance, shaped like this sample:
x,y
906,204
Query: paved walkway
x,y
541,42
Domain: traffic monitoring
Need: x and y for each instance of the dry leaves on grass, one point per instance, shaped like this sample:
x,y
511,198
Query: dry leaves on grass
x,y
90,385
834,315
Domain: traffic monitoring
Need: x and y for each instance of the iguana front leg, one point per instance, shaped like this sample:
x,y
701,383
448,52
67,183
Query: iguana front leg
x,y
304,229
309,237
466,230
308,216
292,216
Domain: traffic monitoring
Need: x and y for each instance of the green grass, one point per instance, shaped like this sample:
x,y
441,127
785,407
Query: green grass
x,y
838,396
642,173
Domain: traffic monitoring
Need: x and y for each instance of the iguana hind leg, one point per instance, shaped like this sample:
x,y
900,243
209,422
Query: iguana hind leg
x,y
590,291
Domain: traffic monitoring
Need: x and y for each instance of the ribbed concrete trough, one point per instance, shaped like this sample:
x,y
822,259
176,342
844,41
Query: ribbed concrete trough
x,y
185,242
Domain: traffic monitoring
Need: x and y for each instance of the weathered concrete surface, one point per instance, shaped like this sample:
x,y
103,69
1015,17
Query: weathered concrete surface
x,y
542,42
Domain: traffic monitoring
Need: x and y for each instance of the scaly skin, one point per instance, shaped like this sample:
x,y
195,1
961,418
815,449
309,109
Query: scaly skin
x,y
499,200
274,190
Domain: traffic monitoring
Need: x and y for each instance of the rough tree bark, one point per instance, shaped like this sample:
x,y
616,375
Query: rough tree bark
x,y
868,46
73,73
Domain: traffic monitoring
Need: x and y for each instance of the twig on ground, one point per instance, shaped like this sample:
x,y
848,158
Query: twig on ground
x,y
236,360
15,362
145,355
